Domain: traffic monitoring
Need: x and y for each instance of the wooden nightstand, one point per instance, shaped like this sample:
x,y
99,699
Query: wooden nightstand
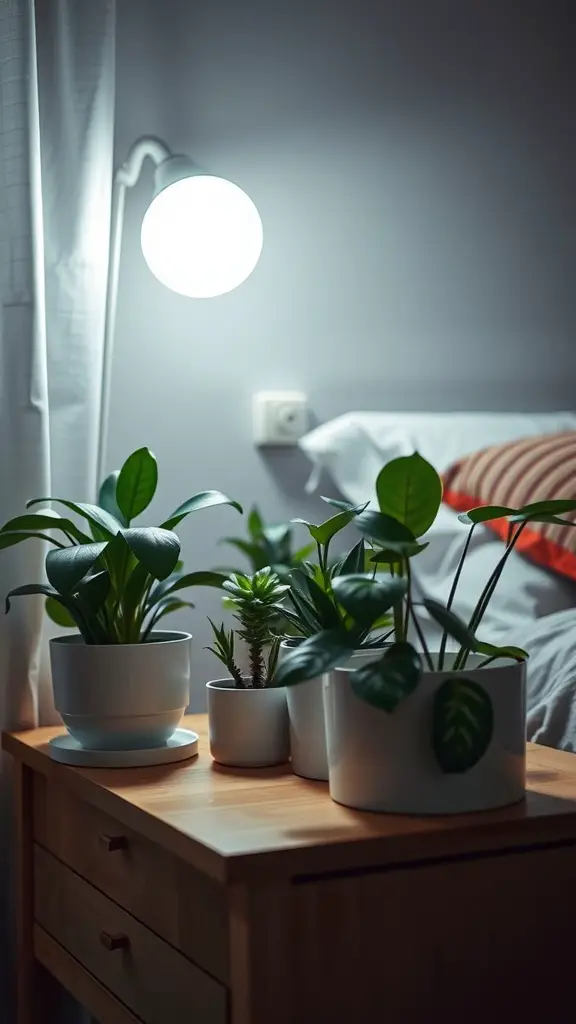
x,y
197,893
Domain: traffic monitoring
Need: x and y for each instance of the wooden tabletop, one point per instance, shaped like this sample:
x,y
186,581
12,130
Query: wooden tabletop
x,y
236,823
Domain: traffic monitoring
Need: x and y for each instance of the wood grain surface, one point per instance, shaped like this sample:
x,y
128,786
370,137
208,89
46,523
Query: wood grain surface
x,y
236,824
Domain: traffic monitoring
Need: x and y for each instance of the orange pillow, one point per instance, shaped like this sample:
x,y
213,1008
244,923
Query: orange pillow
x,y
516,474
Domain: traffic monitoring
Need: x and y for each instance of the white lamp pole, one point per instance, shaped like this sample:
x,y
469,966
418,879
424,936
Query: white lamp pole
x,y
201,237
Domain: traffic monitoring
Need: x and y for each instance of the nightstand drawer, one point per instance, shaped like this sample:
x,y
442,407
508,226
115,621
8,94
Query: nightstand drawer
x,y
145,973
172,898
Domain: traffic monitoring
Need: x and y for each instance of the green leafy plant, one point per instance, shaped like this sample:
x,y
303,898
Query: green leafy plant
x,y
409,493
255,601
269,545
112,580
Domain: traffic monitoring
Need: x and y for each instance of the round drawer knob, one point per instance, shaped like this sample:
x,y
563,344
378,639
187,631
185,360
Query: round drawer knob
x,y
112,942
111,843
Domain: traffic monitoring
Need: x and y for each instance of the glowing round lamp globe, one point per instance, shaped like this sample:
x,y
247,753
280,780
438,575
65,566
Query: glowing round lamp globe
x,y
201,236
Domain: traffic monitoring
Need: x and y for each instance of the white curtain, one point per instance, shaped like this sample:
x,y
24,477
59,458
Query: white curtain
x,y
56,152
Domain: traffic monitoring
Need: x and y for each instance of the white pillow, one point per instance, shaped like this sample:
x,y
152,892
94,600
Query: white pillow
x,y
353,449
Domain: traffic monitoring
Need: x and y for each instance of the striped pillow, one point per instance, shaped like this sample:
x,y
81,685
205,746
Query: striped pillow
x,y
515,474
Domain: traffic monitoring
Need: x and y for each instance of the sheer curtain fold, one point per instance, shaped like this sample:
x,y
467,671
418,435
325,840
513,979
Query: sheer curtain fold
x,y
56,157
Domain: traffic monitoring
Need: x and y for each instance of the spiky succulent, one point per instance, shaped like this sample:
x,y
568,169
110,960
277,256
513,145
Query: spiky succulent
x,y
255,601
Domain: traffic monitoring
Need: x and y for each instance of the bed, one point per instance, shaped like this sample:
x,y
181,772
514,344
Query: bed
x,y
532,607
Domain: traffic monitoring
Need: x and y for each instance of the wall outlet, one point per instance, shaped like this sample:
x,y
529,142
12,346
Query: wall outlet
x,y
279,418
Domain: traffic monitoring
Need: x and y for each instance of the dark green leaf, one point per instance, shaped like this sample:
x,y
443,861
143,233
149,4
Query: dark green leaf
x,y
156,549
307,618
93,591
383,529
107,498
517,653
8,540
452,624
354,561
541,517
385,682
410,490
485,513
462,725
389,557
324,533
552,507
92,513
312,657
365,598
205,499
65,567
35,521
326,612
68,602
137,482
206,578
255,523
59,614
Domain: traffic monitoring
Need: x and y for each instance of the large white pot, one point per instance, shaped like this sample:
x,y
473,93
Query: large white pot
x,y
248,727
385,762
306,718
121,696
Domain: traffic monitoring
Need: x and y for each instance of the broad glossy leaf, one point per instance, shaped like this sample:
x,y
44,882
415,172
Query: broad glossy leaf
x,y
451,623
35,521
410,490
59,614
462,724
354,561
324,533
205,499
316,655
158,550
366,599
107,498
206,578
485,513
137,482
387,681
107,524
67,601
65,567
383,529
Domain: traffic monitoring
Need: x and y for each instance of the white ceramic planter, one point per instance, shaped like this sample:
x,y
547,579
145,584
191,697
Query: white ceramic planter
x,y
307,722
121,696
248,728
385,762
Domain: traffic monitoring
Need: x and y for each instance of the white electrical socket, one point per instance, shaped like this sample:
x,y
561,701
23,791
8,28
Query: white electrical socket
x,y
279,418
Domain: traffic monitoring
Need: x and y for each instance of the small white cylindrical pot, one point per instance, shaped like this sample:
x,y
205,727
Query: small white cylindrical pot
x,y
307,722
121,696
248,727
380,761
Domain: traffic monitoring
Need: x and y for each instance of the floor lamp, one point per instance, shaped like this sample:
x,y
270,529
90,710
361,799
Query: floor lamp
x,y
201,236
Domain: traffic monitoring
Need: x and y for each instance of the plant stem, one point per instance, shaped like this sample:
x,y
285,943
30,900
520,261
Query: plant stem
x,y
451,596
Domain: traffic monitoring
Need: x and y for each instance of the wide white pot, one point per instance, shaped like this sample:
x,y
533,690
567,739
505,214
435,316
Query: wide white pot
x,y
385,762
248,727
121,696
308,752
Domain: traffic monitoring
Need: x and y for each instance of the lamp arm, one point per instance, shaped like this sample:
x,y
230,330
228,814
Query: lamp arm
x,y
125,177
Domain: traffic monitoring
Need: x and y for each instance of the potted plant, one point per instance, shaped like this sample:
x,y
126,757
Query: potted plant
x,y
416,730
311,606
247,713
120,683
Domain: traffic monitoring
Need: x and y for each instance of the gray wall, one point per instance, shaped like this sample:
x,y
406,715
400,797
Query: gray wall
x,y
414,164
